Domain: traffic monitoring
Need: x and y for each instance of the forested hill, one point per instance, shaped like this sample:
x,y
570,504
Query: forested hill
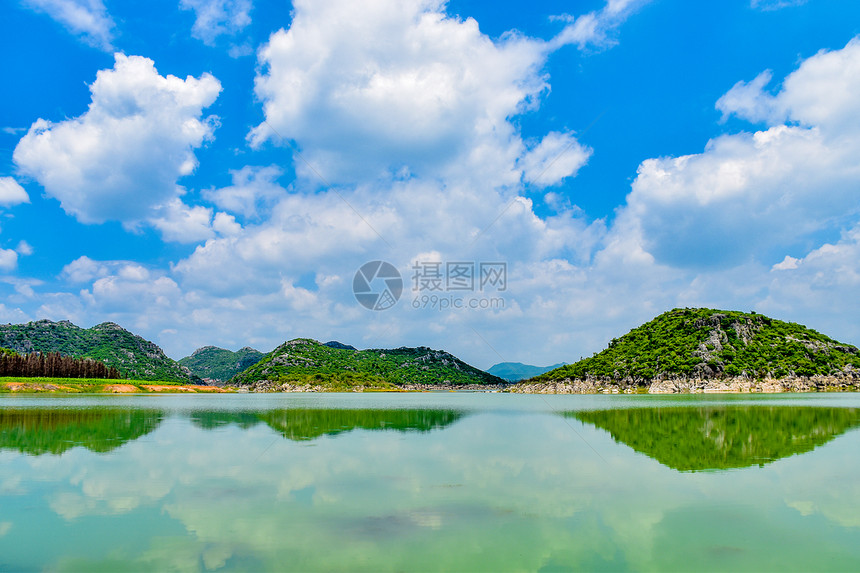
x,y
218,364
305,361
135,357
708,343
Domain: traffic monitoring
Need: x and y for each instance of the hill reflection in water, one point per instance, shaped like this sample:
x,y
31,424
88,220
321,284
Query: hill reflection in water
x,y
308,424
722,437
37,431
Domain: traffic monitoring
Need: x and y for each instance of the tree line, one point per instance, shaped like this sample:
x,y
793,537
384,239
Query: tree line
x,y
53,365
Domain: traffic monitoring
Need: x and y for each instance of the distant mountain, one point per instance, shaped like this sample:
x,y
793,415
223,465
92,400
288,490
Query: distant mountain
x,y
219,365
708,344
305,361
513,371
135,357
341,345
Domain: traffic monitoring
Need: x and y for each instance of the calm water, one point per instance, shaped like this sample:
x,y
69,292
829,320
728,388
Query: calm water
x,y
449,481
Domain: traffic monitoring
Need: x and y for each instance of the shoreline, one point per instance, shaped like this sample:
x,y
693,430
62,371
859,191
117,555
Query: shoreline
x,y
734,385
738,385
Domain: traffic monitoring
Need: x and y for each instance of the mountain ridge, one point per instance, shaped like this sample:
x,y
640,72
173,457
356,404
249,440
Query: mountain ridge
x,y
134,356
309,362
217,365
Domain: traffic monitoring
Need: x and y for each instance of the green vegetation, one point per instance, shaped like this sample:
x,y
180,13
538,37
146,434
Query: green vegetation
x,y
219,365
309,424
39,431
53,364
694,439
714,343
514,371
109,343
26,384
305,361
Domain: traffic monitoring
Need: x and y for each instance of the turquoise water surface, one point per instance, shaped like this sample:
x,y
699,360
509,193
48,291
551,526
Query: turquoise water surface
x,y
430,482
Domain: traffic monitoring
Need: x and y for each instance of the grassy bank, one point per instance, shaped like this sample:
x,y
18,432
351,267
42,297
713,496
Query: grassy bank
x,y
10,385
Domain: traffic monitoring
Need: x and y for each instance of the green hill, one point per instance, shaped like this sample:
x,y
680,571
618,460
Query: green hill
x,y
219,365
707,343
305,361
135,357
513,371
722,437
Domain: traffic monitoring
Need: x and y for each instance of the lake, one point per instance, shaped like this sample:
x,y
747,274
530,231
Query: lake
x,y
430,482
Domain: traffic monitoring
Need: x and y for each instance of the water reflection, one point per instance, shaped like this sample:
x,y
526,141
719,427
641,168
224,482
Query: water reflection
x,y
40,431
309,424
717,438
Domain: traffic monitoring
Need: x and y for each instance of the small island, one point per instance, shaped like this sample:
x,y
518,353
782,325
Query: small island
x,y
707,350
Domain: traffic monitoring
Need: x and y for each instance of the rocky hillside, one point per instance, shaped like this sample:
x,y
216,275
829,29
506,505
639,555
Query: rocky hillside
x,y
217,365
135,357
305,361
709,344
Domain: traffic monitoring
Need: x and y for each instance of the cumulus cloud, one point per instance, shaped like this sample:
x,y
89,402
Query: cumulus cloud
x,y
820,93
253,191
434,92
120,160
214,18
11,192
809,286
88,19
183,224
750,193
84,269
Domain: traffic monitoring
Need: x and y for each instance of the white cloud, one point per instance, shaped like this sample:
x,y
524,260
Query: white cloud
x,y
596,28
435,94
226,225
819,93
254,189
214,18
8,259
820,287
749,194
88,19
749,101
557,156
24,248
183,224
84,269
120,160
787,263
11,193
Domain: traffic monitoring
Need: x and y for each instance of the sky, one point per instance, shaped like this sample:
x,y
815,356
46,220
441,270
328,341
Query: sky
x,y
541,176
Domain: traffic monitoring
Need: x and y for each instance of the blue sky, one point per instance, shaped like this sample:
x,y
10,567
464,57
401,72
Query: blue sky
x,y
215,171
